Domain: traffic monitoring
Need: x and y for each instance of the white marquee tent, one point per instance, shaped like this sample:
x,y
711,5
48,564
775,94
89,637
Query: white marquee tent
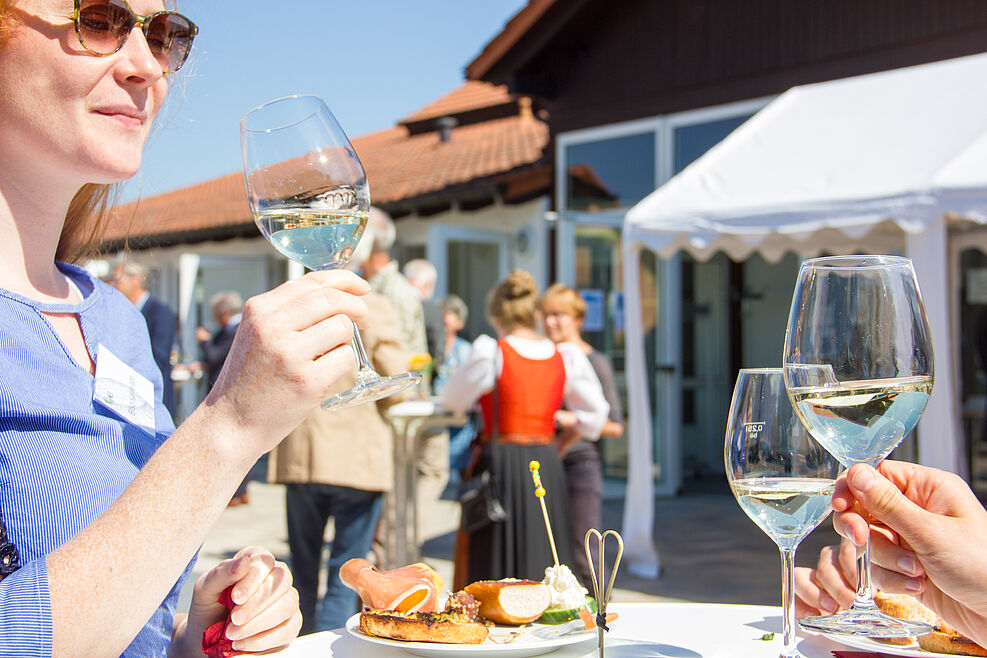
x,y
871,164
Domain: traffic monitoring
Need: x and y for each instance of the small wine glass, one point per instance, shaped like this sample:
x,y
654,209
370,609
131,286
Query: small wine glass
x,y
858,369
310,198
782,479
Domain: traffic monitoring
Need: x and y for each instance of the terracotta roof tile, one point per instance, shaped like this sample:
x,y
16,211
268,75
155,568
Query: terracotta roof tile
x,y
399,167
470,96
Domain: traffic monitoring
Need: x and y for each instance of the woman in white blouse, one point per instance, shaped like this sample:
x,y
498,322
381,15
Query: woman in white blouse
x,y
521,381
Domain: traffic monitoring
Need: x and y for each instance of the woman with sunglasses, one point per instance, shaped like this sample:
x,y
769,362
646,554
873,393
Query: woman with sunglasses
x,y
103,503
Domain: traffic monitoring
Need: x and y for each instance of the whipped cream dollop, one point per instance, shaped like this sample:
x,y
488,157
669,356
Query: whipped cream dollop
x,y
566,590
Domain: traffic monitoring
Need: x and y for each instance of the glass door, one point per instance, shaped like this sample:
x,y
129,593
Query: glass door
x,y
469,263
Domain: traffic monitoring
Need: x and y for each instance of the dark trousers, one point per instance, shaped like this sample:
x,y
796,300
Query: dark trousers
x,y
584,478
355,513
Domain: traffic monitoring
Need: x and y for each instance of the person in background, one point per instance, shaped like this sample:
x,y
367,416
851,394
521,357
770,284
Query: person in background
x,y
456,351
337,465
521,381
226,311
382,273
104,502
422,276
563,312
928,533
131,279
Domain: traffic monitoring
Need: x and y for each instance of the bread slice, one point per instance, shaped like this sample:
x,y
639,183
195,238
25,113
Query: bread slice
x,y
943,639
510,601
902,606
441,627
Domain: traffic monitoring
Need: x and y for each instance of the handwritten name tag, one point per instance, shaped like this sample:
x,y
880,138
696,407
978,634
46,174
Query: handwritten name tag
x,y
124,391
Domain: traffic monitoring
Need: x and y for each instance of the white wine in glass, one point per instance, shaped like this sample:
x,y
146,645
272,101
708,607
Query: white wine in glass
x,y
310,198
782,479
858,368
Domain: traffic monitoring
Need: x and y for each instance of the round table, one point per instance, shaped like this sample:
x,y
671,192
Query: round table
x,y
654,630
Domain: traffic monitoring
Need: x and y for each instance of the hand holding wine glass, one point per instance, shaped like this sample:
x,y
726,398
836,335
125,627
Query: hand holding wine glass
x,y
858,369
310,198
782,479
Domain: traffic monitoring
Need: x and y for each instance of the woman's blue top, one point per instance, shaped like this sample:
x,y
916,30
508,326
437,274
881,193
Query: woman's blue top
x,y
64,458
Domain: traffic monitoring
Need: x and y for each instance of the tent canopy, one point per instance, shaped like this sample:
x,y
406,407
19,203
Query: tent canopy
x,y
905,146
865,164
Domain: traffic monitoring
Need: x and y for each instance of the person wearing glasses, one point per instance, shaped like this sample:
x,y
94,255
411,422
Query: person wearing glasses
x,y
103,503
563,314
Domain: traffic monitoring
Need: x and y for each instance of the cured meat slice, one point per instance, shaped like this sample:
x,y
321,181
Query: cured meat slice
x,y
414,588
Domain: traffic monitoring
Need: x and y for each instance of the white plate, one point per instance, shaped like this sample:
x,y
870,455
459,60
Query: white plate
x,y
910,650
524,645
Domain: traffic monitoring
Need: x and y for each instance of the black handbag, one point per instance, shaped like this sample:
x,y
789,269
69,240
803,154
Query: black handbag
x,y
481,504
9,559
480,499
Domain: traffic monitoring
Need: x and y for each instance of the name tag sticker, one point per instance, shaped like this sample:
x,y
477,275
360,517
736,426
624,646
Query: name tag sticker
x,y
124,391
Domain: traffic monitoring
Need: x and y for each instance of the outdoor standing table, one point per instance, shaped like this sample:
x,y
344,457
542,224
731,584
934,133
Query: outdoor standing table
x,y
656,630
410,421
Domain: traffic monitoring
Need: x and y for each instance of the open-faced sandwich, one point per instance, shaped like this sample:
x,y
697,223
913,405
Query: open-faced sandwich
x,y
943,638
403,604
568,596
457,624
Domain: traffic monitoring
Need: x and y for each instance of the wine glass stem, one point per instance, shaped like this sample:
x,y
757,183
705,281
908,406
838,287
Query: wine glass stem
x,y
865,596
788,602
361,354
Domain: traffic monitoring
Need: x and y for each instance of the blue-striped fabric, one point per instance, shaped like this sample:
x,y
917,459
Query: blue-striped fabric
x,y
64,458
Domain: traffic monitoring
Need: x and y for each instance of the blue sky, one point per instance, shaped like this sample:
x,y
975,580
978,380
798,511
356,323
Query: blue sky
x,y
373,61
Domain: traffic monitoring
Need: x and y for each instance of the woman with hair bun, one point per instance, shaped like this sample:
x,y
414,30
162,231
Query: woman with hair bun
x,y
521,381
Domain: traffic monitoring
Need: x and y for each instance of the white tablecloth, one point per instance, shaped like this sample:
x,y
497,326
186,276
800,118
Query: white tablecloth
x,y
654,630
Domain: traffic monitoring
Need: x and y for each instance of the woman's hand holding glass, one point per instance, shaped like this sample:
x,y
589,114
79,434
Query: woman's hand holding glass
x,y
266,615
292,344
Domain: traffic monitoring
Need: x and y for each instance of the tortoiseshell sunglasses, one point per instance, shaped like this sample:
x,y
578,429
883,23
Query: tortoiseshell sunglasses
x,y
103,27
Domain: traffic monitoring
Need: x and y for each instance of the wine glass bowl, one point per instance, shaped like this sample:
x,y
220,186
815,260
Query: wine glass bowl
x,y
780,476
858,367
310,199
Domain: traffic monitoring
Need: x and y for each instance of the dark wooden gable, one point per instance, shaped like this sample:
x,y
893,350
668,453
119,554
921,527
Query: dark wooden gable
x,y
592,62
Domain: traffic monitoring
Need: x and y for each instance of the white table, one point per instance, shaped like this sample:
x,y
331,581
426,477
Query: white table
x,y
653,630
410,420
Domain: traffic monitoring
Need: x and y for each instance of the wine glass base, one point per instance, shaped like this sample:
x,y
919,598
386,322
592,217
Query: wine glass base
x,y
865,623
371,389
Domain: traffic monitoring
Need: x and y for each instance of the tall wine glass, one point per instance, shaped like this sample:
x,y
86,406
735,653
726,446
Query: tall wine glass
x,y
858,368
310,198
781,477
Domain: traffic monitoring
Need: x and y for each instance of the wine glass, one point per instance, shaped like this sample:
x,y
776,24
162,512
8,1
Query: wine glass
x,y
310,198
858,369
781,477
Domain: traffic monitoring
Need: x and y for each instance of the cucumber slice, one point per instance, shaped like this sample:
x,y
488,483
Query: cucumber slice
x,y
563,615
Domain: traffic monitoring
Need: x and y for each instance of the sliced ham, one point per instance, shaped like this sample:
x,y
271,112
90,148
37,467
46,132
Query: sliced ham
x,y
414,588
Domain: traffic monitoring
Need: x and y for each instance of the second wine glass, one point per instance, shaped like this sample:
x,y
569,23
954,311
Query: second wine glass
x,y
782,479
858,369
310,198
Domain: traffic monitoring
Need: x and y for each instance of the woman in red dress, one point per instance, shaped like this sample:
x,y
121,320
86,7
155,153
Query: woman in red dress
x,y
521,381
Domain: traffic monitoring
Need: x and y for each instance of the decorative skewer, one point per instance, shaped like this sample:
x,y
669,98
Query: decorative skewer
x,y
533,466
601,589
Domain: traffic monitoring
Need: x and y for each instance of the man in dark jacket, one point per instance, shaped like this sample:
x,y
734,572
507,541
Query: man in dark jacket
x,y
131,279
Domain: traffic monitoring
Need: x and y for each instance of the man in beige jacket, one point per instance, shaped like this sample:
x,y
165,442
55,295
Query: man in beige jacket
x,y
338,464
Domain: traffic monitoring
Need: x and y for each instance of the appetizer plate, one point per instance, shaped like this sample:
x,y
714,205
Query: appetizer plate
x,y
908,650
504,642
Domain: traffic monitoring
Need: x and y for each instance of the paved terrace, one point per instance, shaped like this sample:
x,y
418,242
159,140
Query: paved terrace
x,y
710,551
